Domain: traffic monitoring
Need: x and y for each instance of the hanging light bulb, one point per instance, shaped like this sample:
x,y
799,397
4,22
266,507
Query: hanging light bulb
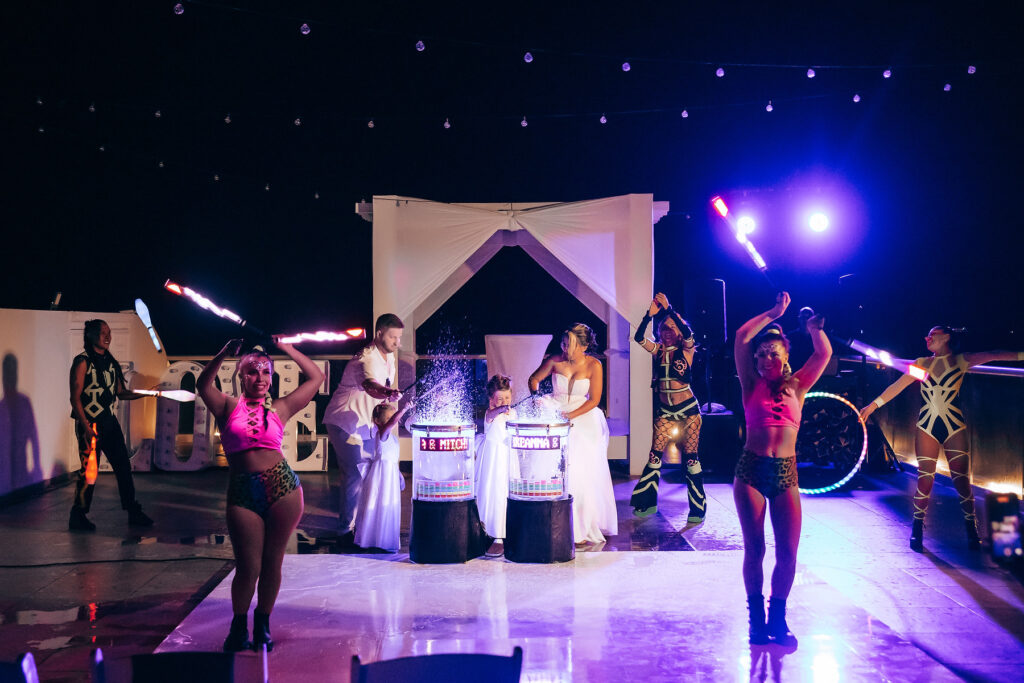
x,y
947,87
298,121
447,123
216,177
227,119
369,124
304,29
103,148
92,107
39,101
160,164
719,72
603,119
971,69
625,66
769,107
420,47
856,98
41,129
887,73
267,187
810,73
523,123
528,57
685,114
157,114
316,195
178,9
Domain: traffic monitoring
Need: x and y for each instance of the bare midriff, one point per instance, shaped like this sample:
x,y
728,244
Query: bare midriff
x,y
253,460
772,442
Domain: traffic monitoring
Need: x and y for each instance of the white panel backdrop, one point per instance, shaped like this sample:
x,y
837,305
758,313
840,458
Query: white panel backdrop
x,y
601,250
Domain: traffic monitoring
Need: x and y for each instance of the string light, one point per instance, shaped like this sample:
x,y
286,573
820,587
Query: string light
x,y
316,195
92,107
685,114
528,57
625,66
447,124
304,29
420,47
769,107
370,124
971,69
41,129
227,119
160,164
266,187
179,9
523,123
216,177
298,121
157,114
887,73
856,98
947,87
810,73
103,148
603,119
719,72
39,101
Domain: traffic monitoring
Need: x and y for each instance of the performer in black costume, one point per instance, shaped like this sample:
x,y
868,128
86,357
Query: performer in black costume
x,y
678,412
96,384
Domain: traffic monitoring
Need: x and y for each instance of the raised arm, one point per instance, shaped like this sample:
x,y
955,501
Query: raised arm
x,y
815,365
746,334
982,357
891,392
216,401
297,400
395,419
640,336
540,374
596,389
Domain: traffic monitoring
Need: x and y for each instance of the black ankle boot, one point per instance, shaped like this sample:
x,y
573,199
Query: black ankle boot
x,y
917,536
695,491
261,631
136,517
79,522
238,636
758,628
778,630
973,539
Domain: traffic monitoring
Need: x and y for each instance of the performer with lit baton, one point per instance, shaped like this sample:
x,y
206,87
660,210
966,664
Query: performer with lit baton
x,y
96,384
368,379
941,422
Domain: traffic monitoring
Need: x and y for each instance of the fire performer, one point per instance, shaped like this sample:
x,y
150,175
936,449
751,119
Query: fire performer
x,y
264,496
368,379
96,384
941,423
678,412
766,475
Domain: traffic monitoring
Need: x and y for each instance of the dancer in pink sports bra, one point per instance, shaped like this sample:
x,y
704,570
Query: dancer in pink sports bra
x,y
264,496
766,477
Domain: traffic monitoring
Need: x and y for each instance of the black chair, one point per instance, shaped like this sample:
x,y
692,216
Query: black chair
x,y
22,670
452,668
181,667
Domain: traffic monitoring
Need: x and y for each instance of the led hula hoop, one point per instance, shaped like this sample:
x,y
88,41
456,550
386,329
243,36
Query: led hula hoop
x,y
863,449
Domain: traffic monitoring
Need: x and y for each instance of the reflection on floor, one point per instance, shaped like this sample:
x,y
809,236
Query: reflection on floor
x,y
865,607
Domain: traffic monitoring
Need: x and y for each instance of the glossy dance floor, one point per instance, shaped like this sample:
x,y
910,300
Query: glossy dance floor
x,y
659,602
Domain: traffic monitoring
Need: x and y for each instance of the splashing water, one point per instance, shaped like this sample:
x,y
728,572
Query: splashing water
x,y
539,409
444,393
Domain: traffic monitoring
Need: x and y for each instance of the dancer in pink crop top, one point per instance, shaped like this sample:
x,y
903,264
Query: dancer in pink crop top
x,y
264,497
766,477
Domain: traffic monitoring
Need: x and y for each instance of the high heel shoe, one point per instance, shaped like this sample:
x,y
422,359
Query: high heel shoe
x,y
917,536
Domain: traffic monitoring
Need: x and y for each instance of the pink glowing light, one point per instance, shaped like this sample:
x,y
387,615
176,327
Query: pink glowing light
x,y
321,336
203,302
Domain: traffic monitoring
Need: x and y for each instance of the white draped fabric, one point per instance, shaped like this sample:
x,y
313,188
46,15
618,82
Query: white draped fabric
x,y
515,355
601,250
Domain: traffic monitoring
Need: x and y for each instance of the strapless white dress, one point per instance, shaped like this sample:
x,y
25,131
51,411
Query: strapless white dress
x,y
589,479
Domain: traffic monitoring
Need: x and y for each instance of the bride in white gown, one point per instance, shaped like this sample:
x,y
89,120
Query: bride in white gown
x,y
578,380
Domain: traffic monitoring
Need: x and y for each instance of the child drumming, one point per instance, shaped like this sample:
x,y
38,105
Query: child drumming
x,y
379,515
492,462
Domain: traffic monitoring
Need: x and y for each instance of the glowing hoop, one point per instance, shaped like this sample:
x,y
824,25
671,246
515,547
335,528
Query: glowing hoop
x,y
863,450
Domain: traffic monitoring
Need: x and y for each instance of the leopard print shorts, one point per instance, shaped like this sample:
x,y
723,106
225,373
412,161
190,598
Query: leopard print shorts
x,y
770,476
258,491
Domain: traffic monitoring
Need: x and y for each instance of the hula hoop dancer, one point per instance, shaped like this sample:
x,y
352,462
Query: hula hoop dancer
x,y
678,412
941,423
